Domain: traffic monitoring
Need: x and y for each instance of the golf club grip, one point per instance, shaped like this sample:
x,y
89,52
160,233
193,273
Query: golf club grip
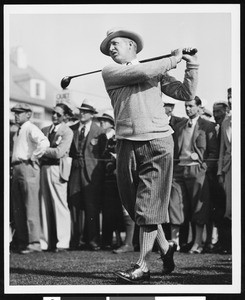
x,y
192,52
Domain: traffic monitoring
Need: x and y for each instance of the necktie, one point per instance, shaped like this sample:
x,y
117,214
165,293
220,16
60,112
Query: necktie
x,y
189,123
81,137
18,131
82,133
51,134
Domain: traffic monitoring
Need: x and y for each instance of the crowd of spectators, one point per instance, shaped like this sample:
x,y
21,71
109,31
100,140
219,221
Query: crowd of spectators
x,y
64,193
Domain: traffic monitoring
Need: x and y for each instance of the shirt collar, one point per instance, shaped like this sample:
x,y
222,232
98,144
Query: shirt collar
x,y
194,120
55,127
132,62
87,125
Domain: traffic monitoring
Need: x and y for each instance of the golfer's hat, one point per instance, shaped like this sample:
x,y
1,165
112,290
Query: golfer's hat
x,y
21,107
88,105
119,32
107,115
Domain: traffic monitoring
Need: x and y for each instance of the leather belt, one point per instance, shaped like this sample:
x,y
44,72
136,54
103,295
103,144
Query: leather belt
x,y
50,162
23,161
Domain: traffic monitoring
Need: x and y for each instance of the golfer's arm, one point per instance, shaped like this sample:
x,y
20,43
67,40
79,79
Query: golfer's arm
x,y
116,76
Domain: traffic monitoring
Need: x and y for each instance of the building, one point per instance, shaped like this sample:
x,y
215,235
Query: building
x,y
29,86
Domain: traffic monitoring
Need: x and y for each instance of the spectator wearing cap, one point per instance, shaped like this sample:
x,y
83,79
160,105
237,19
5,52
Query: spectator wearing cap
x,y
144,138
86,179
169,106
206,114
112,218
195,154
29,145
55,172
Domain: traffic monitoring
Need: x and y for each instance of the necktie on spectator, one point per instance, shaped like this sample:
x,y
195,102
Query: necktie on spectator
x,y
18,131
189,123
81,137
51,134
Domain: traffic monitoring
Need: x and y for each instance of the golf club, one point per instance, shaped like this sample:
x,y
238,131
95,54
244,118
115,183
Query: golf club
x,y
66,80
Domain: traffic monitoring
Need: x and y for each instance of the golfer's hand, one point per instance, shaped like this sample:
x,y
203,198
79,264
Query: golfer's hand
x,y
178,54
189,58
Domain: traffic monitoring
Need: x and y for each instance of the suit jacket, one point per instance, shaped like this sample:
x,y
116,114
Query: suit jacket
x,y
94,147
204,142
224,164
59,148
174,120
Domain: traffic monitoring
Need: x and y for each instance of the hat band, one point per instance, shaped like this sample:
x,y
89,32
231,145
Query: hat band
x,y
87,106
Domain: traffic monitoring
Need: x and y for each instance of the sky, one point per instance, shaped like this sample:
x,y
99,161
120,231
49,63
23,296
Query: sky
x,y
63,40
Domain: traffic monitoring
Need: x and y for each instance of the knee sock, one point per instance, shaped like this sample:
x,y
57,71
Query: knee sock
x,y
147,236
161,239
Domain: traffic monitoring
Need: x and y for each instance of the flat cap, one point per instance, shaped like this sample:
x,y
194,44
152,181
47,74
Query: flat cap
x,y
21,107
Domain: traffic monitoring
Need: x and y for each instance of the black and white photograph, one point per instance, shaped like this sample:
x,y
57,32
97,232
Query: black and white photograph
x,y
122,161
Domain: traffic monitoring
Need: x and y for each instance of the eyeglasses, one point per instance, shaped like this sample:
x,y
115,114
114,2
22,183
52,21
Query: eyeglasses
x,y
56,113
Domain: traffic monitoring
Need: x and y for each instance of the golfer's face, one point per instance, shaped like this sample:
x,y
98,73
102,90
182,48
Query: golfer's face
x,y
119,50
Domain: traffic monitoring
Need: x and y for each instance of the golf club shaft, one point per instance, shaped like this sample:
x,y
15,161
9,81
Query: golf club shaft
x,y
192,52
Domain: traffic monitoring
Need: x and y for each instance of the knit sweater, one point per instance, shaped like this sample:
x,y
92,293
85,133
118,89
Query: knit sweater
x,y
135,92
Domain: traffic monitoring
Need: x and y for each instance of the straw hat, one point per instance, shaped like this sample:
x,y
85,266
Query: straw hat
x,y
119,32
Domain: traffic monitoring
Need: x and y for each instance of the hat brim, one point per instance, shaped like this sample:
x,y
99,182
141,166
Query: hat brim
x,y
88,109
20,110
106,118
121,33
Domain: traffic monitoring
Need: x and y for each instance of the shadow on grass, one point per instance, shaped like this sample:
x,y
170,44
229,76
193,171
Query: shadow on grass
x,y
92,275
156,278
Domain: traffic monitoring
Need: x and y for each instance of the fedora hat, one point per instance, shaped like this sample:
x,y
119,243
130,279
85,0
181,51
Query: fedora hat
x,y
107,115
21,107
88,105
119,32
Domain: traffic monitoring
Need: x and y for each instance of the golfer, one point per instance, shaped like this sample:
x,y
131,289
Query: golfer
x,y
144,141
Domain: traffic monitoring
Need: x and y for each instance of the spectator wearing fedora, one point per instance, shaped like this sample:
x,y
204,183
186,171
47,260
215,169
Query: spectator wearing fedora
x,y
112,218
144,138
86,178
29,144
55,172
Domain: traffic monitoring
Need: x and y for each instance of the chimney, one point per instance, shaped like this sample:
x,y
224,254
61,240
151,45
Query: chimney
x,y
19,58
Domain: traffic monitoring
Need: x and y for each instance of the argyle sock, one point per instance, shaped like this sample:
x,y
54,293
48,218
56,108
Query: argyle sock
x,y
147,236
161,239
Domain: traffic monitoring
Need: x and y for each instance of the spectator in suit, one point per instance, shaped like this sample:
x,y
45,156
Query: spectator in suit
x,y
87,176
195,153
224,173
112,218
55,172
29,144
217,193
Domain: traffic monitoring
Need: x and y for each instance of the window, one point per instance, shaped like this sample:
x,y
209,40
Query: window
x,y
37,89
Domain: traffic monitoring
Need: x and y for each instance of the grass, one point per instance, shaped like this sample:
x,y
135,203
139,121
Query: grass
x,y
96,268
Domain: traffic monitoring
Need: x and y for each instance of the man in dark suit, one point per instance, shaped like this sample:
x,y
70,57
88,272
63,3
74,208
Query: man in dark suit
x,y
55,172
195,153
87,175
